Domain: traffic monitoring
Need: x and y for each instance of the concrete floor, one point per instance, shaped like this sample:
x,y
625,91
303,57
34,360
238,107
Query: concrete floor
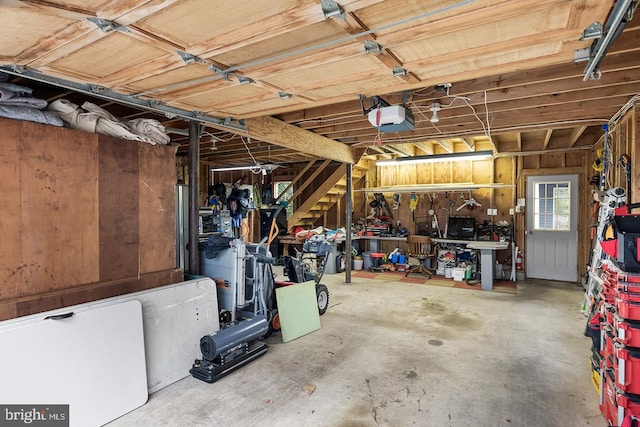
x,y
397,354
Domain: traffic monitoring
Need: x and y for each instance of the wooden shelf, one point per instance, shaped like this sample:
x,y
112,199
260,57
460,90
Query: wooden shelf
x,y
423,188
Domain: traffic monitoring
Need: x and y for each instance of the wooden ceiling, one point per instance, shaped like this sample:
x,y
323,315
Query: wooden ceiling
x,y
514,85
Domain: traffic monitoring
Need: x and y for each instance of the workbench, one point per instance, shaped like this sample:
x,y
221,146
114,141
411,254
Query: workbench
x,y
487,256
374,241
288,241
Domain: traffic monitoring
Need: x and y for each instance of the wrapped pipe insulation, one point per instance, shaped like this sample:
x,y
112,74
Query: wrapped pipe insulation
x,y
213,345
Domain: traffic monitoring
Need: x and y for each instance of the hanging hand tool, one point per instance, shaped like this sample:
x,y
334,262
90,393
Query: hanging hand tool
x,y
413,204
434,217
625,163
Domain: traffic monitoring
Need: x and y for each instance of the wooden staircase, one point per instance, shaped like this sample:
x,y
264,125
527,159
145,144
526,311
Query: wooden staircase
x,y
311,213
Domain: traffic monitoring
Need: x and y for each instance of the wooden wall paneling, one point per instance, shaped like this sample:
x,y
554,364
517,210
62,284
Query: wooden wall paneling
x,y
635,155
530,162
462,172
59,208
390,175
10,219
481,172
118,207
424,174
157,207
45,301
576,158
552,160
618,147
502,197
442,173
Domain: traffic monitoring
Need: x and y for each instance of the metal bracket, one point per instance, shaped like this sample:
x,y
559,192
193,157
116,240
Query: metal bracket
x,y
108,26
581,55
244,80
285,95
225,75
189,58
371,46
398,71
331,9
593,31
97,89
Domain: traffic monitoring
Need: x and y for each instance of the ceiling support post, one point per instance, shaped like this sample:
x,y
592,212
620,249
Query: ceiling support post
x,y
194,204
349,220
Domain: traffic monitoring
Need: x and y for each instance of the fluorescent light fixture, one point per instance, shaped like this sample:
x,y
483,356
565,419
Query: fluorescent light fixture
x,y
452,157
268,167
234,168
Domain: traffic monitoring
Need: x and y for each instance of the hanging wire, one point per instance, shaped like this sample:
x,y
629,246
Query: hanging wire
x,y
257,169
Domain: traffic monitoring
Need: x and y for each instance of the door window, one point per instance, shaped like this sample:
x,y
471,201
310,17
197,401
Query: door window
x,y
552,207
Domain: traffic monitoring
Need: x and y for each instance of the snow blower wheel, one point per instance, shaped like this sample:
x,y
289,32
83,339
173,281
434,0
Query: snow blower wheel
x,y
323,298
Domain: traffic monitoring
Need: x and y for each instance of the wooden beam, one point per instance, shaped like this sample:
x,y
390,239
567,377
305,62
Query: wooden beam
x,y
446,144
576,133
547,138
277,132
470,143
400,149
424,146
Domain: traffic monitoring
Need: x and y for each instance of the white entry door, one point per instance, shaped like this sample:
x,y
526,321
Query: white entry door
x,y
552,229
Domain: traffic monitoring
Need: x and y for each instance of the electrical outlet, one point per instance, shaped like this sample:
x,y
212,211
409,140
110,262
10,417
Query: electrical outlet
x,y
511,211
518,209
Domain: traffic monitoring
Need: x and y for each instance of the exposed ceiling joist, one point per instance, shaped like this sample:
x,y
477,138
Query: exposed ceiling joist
x,y
285,135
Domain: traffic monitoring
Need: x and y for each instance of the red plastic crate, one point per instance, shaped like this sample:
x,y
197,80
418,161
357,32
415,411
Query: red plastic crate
x,y
630,287
627,332
627,369
608,399
628,296
628,309
606,343
618,274
615,405
608,313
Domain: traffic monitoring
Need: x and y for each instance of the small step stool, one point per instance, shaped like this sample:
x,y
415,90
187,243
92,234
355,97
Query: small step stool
x,y
376,260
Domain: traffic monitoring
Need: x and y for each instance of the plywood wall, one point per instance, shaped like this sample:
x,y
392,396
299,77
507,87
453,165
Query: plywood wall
x,y
80,211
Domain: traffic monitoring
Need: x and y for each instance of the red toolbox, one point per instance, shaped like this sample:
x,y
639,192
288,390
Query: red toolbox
x,y
627,332
628,296
608,313
608,402
612,275
628,310
606,344
631,287
615,405
627,368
